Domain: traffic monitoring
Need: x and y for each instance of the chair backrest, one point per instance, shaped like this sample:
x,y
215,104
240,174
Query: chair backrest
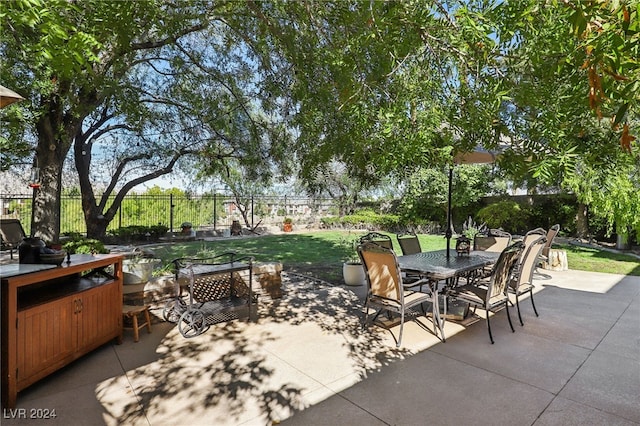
x,y
551,234
11,231
533,235
409,243
382,271
502,269
498,233
491,243
378,238
527,263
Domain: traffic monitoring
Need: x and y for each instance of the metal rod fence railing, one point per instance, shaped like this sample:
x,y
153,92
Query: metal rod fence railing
x,y
212,211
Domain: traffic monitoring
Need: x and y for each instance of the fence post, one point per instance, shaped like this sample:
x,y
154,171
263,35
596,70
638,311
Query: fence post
x,y
251,211
215,208
171,213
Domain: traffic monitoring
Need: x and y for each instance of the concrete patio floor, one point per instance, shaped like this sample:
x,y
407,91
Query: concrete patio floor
x,y
306,361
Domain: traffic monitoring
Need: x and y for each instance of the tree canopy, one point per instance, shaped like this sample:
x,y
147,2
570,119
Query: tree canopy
x,y
128,89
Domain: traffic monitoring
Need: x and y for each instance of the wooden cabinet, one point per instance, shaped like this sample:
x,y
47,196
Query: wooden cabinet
x,y
58,315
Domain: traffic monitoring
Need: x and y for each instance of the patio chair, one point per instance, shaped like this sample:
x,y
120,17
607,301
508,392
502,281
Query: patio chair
x,y
544,254
533,235
551,235
496,241
522,281
12,234
409,243
385,288
491,295
378,238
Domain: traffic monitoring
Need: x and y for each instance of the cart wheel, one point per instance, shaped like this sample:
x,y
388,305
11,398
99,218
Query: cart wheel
x,y
191,323
172,310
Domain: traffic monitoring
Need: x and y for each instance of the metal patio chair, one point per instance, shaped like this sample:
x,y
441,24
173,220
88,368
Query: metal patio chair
x,y
522,280
386,291
409,243
491,294
12,234
377,238
544,253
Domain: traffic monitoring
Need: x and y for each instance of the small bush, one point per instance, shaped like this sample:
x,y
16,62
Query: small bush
x,y
85,246
363,219
139,233
507,215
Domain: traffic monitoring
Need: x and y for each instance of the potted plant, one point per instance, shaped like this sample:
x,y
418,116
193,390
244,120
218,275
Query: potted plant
x,y
287,224
352,267
138,267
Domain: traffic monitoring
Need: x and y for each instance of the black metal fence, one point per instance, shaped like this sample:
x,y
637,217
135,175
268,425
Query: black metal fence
x,y
211,212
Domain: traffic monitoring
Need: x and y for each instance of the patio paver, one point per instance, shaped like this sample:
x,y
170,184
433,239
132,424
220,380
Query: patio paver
x,y
307,361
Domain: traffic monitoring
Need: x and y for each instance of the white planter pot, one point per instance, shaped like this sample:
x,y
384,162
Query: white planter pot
x,y
138,271
353,274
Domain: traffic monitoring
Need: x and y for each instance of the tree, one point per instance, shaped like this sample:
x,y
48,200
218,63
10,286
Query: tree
x,y
243,187
609,36
130,88
425,195
334,180
365,84
611,189
549,113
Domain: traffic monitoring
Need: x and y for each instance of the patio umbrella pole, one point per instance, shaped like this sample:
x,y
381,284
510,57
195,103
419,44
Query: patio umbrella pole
x,y
448,233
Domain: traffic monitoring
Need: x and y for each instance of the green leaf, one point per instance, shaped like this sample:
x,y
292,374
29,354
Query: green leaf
x,y
622,110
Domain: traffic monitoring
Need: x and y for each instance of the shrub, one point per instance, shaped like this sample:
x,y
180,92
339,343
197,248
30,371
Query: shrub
x,y
83,245
363,219
507,215
139,233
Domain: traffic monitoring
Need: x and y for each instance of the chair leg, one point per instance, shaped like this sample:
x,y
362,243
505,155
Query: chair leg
x,y
532,303
401,327
443,320
136,333
509,318
366,315
518,306
147,318
489,326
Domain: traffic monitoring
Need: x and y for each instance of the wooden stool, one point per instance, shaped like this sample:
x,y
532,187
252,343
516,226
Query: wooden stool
x,y
132,312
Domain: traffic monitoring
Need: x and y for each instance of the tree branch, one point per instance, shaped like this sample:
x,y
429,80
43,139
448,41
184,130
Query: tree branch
x,y
168,168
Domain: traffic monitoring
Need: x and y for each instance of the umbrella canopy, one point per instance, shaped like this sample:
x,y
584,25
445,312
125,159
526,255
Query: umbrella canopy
x,y
479,155
7,97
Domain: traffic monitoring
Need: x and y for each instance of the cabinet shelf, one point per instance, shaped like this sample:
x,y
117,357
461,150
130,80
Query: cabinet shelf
x,y
50,291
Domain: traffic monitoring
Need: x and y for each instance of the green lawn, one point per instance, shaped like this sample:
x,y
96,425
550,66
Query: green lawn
x,y
321,253
590,259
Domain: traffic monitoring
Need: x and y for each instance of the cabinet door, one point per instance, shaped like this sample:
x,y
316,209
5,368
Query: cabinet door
x,y
100,316
46,339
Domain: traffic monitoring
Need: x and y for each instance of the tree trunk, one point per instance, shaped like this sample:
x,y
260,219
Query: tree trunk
x,y
46,200
95,220
622,237
50,154
582,221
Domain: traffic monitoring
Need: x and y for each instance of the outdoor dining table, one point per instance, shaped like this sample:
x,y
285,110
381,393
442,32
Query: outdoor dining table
x,y
436,266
